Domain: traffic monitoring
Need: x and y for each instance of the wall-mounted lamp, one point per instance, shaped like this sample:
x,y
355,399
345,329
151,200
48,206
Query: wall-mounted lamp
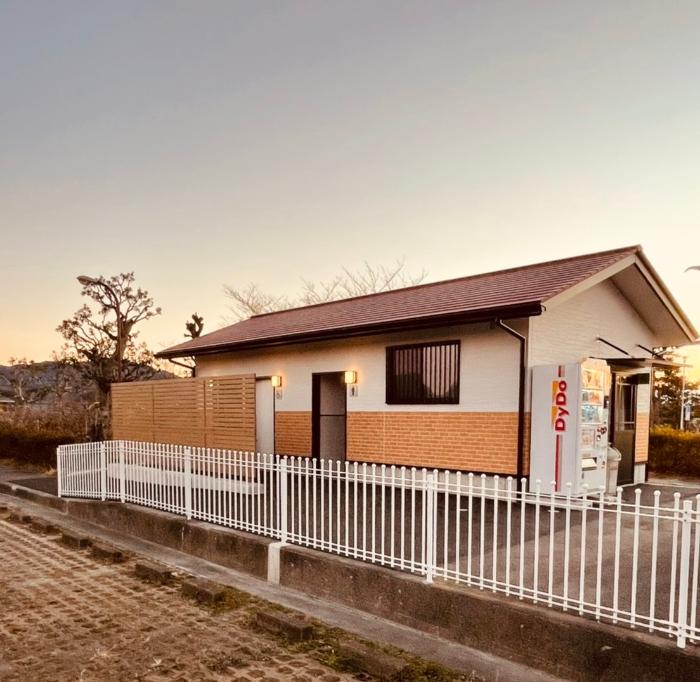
x,y
276,381
350,376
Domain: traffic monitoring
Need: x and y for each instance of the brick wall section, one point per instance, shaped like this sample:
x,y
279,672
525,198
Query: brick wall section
x,y
641,438
293,433
466,441
460,441
526,456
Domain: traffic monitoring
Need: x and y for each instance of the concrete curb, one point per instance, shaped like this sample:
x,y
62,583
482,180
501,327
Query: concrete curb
x,y
75,540
107,553
360,657
204,591
153,573
292,627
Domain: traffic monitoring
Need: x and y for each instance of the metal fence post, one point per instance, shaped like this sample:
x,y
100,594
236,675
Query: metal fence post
x,y
103,472
430,527
283,499
122,473
59,470
686,525
188,483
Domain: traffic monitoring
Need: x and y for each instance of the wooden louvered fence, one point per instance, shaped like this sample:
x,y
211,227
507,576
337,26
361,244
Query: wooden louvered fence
x,y
214,412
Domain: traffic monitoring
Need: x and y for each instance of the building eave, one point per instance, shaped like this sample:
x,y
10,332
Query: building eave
x,y
665,294
531,309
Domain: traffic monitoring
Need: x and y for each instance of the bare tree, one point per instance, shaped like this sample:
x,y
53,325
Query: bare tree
x,y
100,337
250,300
65,382
370,279
22,382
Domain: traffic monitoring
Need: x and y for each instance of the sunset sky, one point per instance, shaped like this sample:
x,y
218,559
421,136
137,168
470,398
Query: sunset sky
x,y
203,143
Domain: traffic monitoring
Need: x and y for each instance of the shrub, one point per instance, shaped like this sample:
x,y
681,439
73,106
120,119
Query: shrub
x,y
32,435
673,451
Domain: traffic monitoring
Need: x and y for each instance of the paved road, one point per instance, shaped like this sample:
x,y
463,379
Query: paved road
x,y
66,616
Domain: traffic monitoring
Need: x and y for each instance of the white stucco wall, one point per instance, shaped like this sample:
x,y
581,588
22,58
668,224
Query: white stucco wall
x,y
489,357
488,369
567,332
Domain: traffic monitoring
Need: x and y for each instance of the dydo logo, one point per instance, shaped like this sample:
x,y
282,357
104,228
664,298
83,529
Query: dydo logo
x,y
560,413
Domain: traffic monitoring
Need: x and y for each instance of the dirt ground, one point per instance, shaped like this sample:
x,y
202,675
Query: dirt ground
x,y
67,616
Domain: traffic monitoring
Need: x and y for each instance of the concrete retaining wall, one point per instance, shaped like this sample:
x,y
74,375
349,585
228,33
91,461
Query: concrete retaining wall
x,y
242,551
223,546
45,499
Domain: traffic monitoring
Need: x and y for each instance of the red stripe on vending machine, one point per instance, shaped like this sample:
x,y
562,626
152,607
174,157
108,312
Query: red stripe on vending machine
x,y
561,372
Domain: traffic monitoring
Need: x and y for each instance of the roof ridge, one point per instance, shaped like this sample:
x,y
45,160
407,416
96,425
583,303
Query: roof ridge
x,y
635,249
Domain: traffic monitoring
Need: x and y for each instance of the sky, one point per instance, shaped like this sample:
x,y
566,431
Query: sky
x,y
204,143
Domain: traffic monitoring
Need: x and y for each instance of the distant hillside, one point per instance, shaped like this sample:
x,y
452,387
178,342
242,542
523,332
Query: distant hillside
x,y
43,383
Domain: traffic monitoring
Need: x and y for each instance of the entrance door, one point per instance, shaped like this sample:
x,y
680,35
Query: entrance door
x,y
329,410
264,416
624,417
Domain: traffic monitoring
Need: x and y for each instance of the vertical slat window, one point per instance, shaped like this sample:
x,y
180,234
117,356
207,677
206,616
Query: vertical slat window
x,y
423,374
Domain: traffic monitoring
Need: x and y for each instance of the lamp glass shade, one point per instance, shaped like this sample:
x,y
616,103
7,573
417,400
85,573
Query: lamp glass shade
x,y
351,376
276,380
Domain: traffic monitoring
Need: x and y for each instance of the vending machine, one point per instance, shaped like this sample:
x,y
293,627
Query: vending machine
x,y
569,427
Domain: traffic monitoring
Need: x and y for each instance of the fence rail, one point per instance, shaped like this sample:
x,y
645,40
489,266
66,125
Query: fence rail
x,y
628,559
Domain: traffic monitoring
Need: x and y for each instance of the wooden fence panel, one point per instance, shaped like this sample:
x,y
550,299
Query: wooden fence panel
x,y
230,411
217,412
132,411
178,412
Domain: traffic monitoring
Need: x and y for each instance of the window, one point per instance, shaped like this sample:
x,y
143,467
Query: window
x,y
423,374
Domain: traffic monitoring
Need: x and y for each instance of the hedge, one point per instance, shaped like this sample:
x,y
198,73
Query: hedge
x,y
674,452
27,443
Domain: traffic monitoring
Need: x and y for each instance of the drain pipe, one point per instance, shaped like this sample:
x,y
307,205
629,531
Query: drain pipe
x,y
521,400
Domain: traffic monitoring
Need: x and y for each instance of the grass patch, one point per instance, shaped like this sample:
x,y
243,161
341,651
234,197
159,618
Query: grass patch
x,y
232,600
323,646
423,671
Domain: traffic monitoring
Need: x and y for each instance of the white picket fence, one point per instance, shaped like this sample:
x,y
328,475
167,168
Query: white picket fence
x,y
624,561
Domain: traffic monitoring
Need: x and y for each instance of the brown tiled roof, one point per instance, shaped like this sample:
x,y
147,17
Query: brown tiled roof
x,y
517,292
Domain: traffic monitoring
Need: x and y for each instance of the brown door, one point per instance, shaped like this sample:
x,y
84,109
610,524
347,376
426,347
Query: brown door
x,y
624,418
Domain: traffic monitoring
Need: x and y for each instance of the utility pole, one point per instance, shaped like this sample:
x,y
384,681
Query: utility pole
x,y
684,358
